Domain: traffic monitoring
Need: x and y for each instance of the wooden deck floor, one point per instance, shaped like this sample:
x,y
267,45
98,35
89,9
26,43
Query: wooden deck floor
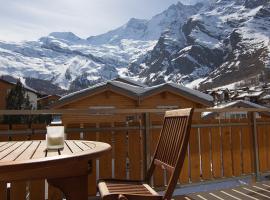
x,y
257,191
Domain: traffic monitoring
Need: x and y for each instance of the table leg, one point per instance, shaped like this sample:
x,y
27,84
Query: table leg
x,y
74,188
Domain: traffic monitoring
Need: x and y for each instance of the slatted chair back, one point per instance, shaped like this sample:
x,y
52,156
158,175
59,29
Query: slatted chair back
x,y
172,145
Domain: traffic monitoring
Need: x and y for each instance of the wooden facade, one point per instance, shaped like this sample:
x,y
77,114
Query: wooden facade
x,y
5,88
45,102
112,98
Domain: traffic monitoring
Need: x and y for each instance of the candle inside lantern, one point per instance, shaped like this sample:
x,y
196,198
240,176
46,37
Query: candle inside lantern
x,y
55,137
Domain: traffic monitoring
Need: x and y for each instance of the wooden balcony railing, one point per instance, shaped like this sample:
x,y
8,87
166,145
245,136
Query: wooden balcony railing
x,y
218,149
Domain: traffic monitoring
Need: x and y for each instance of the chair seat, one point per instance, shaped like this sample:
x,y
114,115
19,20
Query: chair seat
x,y
121,187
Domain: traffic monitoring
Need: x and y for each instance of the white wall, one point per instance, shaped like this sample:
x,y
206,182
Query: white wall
x,y
32,98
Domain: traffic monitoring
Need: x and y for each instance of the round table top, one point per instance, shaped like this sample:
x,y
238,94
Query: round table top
x,y
23,152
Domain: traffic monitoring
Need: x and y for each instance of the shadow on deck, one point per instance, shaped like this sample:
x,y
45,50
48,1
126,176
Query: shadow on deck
x,y
256,191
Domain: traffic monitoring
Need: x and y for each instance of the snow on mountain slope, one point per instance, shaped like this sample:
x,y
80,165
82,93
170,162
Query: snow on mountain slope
x,y
68,60
247,43
144,30
211,44
72,62
226,41
162,64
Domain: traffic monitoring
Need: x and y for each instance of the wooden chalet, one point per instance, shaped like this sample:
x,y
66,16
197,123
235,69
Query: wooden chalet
x,y
252,96
124,94
265,100
235,115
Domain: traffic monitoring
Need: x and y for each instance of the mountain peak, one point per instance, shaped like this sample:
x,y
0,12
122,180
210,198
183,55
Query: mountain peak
x,y
135,23
69,36
177,5
136,20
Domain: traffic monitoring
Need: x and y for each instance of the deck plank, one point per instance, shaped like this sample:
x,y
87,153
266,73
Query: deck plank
x,y
222,195
256,191
202,196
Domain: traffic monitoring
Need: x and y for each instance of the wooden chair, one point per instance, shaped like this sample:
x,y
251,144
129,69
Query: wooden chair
x,y
170,154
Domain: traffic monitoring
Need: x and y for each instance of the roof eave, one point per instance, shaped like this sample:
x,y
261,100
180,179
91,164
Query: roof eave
x,y
166,87
94,91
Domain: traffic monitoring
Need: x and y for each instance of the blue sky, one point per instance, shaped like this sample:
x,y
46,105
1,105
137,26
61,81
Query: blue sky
x,y
31,19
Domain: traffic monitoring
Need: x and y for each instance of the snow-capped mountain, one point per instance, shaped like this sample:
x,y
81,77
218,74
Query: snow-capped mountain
x,y
212,44
225,42
69,61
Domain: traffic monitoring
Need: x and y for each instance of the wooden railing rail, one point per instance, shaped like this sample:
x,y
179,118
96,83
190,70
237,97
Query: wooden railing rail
x,y
124,128
121,111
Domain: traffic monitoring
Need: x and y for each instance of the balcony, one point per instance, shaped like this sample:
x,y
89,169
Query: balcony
x,y
222,152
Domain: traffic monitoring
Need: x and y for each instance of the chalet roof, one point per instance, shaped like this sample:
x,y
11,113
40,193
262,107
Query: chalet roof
x,y
250,94
194,95
239,103
266,97
234,104
24,85
137,92
48,96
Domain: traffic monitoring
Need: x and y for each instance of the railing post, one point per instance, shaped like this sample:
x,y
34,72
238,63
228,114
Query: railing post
x,y
146,140
255,143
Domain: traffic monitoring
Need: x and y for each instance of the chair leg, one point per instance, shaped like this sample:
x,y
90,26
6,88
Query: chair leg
x,y
73,187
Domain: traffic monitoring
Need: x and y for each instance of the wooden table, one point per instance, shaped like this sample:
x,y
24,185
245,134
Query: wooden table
x,y
66,169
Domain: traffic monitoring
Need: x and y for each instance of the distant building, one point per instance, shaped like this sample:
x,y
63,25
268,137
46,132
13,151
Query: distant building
x,y
5,88
265,100
220,95
252,96
234,115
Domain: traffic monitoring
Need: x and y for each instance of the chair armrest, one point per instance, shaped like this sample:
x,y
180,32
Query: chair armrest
x,y
121,180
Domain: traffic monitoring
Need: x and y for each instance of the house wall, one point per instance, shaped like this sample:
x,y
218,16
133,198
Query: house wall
x,y
4,90
32,98
45,102
167,99
104,99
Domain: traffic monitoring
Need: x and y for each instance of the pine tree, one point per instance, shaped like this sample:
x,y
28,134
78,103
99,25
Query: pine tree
x,y
17,99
